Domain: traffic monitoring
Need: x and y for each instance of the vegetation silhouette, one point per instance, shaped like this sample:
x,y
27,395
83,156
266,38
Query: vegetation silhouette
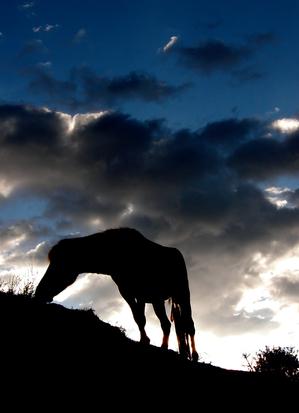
x,y
54,356
278,361
144,271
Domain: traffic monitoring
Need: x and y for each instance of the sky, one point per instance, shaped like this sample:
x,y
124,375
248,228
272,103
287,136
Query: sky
x,y
177,118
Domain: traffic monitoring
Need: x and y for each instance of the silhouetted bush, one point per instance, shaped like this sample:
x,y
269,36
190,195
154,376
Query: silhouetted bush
x,y
280,361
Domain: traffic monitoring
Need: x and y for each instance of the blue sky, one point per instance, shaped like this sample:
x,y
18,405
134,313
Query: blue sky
x,y
120,37
177,118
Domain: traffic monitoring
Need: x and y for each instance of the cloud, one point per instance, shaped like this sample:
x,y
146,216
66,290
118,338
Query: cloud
x,y
247,74
135,85
86,89
214,55
279,196
80,35
28,9
45,64
27,6
230,132
45,28
217,56
58,91
170,44
286,287
286,125
33,46
262,39
265,158
231,323
89,172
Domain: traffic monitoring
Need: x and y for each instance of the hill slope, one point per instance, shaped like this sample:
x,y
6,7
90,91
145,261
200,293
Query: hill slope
x,y
66,355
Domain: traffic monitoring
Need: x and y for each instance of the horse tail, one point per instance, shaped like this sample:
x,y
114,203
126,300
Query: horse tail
x,y
180,329
181,307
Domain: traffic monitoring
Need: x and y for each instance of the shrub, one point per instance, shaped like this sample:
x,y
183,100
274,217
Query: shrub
x,y
282,361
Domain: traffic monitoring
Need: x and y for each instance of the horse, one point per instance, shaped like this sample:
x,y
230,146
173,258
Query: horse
x,y
144,271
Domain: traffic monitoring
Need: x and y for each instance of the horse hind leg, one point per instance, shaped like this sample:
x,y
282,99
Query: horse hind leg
x,y
193,348
180,329
190,333
159,308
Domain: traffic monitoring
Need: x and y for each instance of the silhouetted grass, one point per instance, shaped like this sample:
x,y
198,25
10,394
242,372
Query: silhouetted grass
x,y
16,285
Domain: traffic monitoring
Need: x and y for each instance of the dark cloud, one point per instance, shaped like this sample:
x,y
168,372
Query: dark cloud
x,y
292,197
86,89
135,85
117,140
60,91
103,166
28,126
286,287
265,158
182,188
231,323
230,133
214,55
262,39
35,46
74,208
246,74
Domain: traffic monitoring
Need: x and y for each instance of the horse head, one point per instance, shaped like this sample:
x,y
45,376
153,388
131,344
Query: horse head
x,y
59,275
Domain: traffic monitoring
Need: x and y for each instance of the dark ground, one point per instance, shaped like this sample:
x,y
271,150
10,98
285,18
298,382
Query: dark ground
x,y
58,358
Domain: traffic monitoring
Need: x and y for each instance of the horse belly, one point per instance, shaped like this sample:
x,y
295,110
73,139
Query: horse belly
x,y
150,288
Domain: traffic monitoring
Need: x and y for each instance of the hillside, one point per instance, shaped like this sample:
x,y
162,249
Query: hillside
x,y
69,355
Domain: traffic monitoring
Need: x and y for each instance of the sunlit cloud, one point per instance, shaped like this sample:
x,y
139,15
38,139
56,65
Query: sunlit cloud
x,y
276,195
276,190
128,211
286,125
280,203
6,188
173,40
80,119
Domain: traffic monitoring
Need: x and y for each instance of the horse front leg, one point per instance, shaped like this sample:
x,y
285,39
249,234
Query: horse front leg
x,y
137,308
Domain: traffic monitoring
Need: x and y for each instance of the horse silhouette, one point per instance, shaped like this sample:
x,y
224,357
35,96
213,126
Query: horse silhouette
x,y
144,271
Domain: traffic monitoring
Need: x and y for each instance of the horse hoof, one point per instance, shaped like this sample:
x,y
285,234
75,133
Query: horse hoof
x,y
195,356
